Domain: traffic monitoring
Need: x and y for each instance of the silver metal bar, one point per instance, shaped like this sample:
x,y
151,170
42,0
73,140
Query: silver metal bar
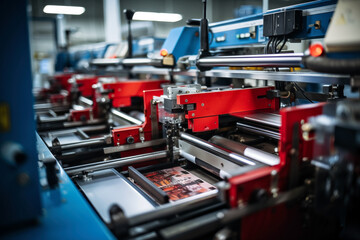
x,y
82,134
156,62
53,119
231,156
83,143
126,117
271,119
85,101
302,76
260,131
251,152
47,106
150,70
133,146
278,60
119,162
106,61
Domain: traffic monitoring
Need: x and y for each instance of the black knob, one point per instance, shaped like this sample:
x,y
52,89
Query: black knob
x,y
20,157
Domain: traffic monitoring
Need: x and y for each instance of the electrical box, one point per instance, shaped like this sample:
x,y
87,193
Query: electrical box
x,y
282,23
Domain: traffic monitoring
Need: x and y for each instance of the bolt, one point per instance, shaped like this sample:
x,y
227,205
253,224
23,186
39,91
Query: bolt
x,y
193,114
186,100
220,215
269,105
202,104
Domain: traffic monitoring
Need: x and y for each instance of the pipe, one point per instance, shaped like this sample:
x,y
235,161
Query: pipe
x,y
118,162
270,60
251,152
328,65
231,156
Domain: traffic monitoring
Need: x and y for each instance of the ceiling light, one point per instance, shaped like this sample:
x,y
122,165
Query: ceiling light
x,y
158,17
68,10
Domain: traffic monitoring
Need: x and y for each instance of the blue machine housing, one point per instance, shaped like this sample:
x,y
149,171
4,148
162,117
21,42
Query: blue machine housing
x,y
182,41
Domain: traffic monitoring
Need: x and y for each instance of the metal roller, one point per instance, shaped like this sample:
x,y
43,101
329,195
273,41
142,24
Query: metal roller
x,y
251,152
231,156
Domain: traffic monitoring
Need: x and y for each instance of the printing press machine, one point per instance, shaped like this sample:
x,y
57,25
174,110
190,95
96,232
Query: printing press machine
x,y
214,161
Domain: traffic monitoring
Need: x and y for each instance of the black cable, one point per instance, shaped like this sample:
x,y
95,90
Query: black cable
x,y
282,46
268,45
302,92
273,45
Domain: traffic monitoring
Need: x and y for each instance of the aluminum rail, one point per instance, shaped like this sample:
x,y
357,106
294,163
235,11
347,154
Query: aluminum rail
x,y
118,162
269,60
126,117
156,62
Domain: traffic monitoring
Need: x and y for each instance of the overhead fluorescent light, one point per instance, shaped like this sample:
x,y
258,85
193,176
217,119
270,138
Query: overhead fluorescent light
x,y
68,10
158,17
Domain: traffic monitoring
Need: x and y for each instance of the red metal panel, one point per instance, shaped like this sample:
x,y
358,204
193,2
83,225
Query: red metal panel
x,y
120,134
57,98
226,102
242,186
85,85
81,115
61,81
290,116
209,104
124,90
204,124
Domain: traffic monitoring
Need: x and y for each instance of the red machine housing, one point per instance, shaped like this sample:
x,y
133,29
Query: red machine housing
x,y
120,135
242,186
209,105
122,91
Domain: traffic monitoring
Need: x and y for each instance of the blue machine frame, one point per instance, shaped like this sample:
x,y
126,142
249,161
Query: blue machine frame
x,y
249,30
19,187
53,213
